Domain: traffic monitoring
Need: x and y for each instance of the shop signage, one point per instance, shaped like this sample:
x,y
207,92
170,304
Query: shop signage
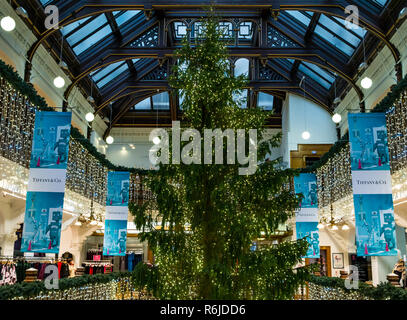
x,y
307,215
117,202
46,184
372,191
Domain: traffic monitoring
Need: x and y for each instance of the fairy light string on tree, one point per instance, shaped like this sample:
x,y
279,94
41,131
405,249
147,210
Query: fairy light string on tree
x,y
224,211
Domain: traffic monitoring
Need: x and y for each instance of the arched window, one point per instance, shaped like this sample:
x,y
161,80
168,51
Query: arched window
x,y
242,67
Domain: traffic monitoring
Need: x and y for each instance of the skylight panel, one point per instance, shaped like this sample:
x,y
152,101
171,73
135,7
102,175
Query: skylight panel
x,y
86,30
112,75
338,28
300,16
313,75
335,41
124,16
72,26
99,74
90,41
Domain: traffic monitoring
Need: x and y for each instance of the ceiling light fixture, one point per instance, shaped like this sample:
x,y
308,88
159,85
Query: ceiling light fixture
x,y
59,82
366,83
305,135
320,226
8,23
337,118
90,117
345,227
109,140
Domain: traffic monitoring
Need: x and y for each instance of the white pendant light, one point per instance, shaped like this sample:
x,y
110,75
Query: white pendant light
x,y
90,117
78,223
345,227
156,140
8,23
93,222
306,135
366,83
334,228
336,118
109,140
320,226
59,82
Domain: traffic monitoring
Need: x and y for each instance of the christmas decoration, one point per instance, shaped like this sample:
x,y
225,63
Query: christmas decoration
x,y
208,215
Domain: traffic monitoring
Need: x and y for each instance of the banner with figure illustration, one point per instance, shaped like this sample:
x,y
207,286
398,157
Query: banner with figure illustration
x,y
117,202
307,215
372,191
46,184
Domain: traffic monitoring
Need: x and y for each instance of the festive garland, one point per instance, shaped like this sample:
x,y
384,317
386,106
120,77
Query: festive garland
x,y
27,89
32,289
383,106
383,291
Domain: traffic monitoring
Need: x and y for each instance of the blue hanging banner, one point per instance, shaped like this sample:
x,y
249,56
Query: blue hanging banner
x,y
372,190
117,202
307,216
46,184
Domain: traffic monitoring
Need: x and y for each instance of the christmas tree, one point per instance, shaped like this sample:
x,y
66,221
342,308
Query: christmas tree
x,y
210,214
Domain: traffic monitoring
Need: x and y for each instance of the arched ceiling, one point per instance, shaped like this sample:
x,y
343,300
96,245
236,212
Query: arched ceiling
x,y
121,51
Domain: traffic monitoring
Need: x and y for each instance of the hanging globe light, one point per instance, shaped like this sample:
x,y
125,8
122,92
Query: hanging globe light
x,y
8,23
306,135
156,140
109,140
59,82
366,83
336,118
90,117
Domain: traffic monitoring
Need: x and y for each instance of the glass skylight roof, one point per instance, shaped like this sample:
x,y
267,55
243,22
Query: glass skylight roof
x,y
85,33
124,16
336,33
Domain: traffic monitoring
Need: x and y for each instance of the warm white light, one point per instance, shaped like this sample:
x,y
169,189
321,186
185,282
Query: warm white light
x,y
59,82
306,135
8,23
320,226
90,117
78,223
156,140
109,140
336,118
345,227
93,222
366,83
334,228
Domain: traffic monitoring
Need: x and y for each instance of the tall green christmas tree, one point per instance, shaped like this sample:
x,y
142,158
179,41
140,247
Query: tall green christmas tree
x,y
209,213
